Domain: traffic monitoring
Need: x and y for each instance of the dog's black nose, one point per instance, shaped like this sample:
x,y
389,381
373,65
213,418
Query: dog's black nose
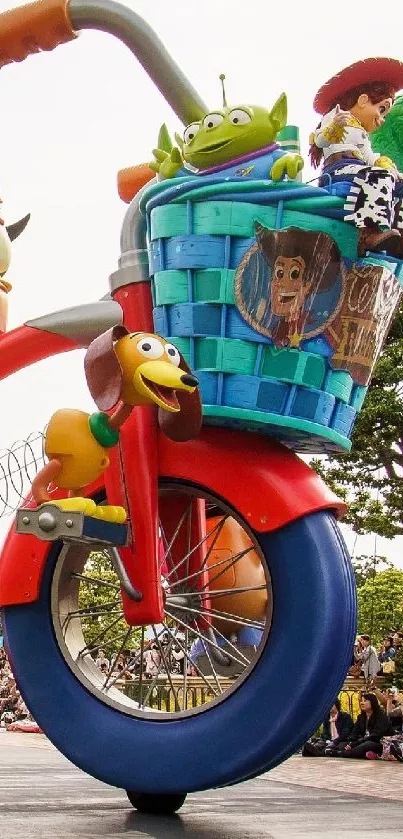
x,y
189,380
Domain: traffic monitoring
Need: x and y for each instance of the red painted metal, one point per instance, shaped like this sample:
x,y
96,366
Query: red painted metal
x,y
135,300
26,345
283,489
131,480
266,482
23,559
183,524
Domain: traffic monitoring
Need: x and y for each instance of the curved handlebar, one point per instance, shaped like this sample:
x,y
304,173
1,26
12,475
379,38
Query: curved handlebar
x,y
47,23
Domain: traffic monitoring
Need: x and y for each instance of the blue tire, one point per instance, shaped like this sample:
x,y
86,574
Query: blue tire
x,y
273,711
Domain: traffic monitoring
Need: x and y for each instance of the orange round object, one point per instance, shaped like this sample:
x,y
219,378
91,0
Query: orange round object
x,y
246,572
131,180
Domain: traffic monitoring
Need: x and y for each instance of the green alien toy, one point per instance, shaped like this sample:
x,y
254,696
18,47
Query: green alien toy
x,y
230,142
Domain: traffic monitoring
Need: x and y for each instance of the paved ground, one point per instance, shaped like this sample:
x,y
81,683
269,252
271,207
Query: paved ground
x,y
43,796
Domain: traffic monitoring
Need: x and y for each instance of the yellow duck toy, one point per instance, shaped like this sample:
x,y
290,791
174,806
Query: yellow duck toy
x,y
122,369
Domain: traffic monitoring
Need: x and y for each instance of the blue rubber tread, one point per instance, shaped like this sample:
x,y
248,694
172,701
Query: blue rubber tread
x,y
314,612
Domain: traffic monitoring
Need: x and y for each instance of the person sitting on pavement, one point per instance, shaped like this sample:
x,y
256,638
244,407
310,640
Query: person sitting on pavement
x,y
336,729
371,725
392,703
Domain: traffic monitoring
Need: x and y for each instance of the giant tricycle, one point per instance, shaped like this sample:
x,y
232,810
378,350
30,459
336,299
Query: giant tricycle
x,y
193,533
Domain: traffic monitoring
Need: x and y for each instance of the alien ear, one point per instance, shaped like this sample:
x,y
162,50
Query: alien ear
x,y
164,139
102,368
179,140
186,423
278,113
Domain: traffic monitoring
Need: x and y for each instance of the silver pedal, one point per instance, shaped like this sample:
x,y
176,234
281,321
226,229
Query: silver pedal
x,y
49,523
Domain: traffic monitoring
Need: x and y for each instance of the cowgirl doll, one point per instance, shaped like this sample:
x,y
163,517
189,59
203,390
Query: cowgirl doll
x,y
353,104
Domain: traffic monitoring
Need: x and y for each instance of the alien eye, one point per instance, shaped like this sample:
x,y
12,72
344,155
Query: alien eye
x,y
150,347
211,120
191,131
279,273
294,273
173,354
239,117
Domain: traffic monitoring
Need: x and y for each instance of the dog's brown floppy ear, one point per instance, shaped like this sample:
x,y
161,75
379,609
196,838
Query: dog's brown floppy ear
x,y
102,369
186,424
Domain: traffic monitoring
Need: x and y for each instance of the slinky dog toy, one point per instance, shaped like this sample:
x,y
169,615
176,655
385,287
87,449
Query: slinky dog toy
x,y
123,370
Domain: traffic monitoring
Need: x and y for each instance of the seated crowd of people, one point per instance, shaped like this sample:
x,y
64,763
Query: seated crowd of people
x,y
377,732
155,658
12,706
169,654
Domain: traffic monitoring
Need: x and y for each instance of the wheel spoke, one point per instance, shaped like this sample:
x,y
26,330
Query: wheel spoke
x,y
232,562
93,611
166,665
200,635
141,660
132,665
101,635
225,616
229,617
220,592
196,547
94,614
214,672
114,659
95,581
176,532
89,614
229,643
152,685
193,663
228,563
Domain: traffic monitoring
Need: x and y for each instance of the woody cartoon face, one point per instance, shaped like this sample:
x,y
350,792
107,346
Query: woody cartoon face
x,y
287,288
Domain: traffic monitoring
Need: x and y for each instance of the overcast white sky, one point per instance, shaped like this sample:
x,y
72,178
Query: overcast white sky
x,y
73,117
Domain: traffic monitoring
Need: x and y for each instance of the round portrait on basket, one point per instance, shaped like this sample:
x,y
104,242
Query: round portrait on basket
x,y
290,283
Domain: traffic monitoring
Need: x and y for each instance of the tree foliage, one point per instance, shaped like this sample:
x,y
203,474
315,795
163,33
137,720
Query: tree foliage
x,y
380,604
370,477
366,567
102,622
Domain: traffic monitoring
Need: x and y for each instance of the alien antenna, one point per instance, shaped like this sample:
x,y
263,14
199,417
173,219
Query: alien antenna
x,y
222,80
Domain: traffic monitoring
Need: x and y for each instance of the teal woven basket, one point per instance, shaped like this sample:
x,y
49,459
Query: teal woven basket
x,y
198,236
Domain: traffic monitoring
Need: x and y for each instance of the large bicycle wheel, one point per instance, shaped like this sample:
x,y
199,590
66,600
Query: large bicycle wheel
x,y
244,699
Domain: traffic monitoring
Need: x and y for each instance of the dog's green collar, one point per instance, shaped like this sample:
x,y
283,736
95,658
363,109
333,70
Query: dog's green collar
x,y
102,431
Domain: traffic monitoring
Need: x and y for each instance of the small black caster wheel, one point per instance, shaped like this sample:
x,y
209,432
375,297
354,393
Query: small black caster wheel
x,y
156,804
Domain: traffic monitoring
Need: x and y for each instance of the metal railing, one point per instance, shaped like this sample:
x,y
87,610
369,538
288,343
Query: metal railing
x,y
170,694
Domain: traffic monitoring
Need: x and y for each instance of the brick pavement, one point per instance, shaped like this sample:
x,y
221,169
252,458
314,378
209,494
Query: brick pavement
x,y
375,778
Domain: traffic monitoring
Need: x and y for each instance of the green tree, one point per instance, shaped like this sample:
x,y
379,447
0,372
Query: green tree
x,y
380,604
370,477
366,567
102,618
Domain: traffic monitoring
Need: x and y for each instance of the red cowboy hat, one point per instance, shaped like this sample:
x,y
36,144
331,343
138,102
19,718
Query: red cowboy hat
x,y
362,72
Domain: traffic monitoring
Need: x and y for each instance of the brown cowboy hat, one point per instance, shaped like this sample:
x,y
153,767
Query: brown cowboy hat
x,y
362,72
